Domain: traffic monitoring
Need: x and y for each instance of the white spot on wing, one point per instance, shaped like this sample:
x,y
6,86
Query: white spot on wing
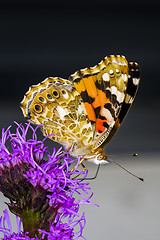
x,y
119,62
124,64
61,112
80,109
74,74
111,71
65,95
105,77
101,62
93,67
84,69
114,61
131,100
120,96
117,70
114,90
106,113
124,76
135,81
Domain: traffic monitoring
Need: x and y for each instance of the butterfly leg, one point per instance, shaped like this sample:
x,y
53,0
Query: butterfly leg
x,y
84,169
92,178
78,165
66,151
96,174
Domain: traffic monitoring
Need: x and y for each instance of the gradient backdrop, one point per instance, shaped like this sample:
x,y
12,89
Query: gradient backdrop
x,y
55,38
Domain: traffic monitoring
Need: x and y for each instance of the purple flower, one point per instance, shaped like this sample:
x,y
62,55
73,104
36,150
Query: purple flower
x,y
6,228
57,231
41,186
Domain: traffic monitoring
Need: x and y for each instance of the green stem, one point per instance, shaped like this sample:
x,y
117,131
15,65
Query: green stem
x,y
31,222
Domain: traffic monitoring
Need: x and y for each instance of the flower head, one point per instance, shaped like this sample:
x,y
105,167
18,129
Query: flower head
x,y
57,231
40,185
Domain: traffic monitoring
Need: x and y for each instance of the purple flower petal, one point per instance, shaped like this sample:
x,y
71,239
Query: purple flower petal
x,y
34,179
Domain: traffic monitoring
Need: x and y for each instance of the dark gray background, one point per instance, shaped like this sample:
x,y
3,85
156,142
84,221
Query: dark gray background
x,y
55,38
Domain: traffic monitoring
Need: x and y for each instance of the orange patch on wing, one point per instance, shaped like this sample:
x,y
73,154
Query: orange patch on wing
x,y
117,124
99,125
90,86
80,86
90,111
100,99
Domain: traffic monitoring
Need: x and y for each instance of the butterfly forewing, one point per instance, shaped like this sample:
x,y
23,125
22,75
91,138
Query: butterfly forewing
x,y
103,89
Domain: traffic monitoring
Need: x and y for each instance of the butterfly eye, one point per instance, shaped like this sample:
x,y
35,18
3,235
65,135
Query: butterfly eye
x,y
38,108
56,94
100,157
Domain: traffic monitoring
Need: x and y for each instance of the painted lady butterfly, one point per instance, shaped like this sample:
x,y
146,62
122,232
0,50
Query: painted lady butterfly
x,y
85,111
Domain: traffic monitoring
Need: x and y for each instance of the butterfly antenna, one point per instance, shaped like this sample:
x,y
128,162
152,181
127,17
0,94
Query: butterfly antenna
x,y
123,155
142,179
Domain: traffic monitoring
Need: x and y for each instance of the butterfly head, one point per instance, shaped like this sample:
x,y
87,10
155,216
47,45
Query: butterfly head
x,y
97,158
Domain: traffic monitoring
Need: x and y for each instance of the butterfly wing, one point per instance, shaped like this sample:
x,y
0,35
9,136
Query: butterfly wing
x,y
105,90
84,112
132,87
58,107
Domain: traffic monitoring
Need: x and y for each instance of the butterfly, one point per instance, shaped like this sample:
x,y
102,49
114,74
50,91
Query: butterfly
x,y
84,112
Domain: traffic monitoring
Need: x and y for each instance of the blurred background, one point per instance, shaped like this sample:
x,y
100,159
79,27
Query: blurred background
x,y
55,38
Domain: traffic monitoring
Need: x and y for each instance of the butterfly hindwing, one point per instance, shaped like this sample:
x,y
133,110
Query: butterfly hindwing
x,y
58,107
